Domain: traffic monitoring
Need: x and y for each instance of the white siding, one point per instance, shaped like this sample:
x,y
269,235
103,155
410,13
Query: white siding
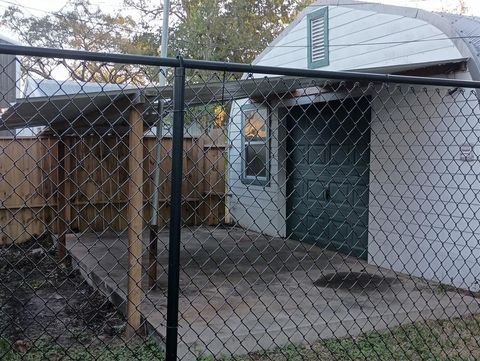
x,y
362,39
259,208
424,200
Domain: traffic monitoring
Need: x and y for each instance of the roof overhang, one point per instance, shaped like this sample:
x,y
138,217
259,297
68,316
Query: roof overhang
x,y
108,110
421,69
76,110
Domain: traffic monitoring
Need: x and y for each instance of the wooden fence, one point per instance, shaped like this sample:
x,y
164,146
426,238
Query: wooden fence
x,y
97,183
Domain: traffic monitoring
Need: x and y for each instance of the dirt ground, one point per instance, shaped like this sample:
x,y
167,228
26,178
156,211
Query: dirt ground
x,y
42,301
48,312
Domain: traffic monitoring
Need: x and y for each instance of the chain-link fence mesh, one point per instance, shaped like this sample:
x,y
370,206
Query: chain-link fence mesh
x,y
315,217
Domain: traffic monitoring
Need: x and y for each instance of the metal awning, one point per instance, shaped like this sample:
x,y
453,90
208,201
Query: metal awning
x,y
109,109
76,110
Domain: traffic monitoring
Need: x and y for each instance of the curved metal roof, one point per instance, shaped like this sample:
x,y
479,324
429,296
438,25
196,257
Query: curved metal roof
x,y
468,29
463,30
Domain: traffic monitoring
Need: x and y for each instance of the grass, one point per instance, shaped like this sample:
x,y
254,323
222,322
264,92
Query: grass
x,y
44,349
457,339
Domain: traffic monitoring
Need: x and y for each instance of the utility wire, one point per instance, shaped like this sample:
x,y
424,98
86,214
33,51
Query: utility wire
x,y
25,6
468,37
102,3
215,45
56,13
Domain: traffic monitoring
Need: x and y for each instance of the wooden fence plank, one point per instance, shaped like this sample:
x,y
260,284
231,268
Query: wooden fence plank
x,y
97,184
61,213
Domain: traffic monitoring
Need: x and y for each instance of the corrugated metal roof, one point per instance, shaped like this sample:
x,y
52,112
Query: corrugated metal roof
x,y
73,110
51,87
106,109
467,27
463,30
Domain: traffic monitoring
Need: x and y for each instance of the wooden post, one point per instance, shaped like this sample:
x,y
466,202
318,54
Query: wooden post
x,y
152,256
135,219
62,211
67,190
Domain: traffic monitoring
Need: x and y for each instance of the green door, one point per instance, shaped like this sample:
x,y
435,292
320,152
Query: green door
x,y
328,175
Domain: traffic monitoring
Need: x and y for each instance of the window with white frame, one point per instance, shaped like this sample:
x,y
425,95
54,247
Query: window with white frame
x,y
256,152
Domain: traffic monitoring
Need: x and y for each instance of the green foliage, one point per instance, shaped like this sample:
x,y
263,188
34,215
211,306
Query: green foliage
x,y
226,30
6,351
80,25
456,339
45,349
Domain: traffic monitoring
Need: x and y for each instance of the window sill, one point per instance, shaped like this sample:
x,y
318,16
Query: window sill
x,y
256,182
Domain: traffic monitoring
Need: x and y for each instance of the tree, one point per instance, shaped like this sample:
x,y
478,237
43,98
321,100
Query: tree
x,y
79,25
226,30
460,7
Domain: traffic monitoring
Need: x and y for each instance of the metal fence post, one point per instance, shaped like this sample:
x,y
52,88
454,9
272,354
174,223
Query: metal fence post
x,y
175,214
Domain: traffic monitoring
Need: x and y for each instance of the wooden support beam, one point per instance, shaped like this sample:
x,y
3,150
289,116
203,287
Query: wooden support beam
x,y
68,184
135,220
62,210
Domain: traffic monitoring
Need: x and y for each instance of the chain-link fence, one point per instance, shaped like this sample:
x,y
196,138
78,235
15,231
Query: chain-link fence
x,y
240,212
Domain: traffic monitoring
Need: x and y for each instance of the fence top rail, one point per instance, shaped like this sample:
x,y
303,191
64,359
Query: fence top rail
x,y
232,67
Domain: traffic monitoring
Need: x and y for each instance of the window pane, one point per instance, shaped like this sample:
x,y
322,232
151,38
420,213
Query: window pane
x,y
255,125
256,160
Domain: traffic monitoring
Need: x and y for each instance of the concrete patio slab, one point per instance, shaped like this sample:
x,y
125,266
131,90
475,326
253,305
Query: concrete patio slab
x,y
242,291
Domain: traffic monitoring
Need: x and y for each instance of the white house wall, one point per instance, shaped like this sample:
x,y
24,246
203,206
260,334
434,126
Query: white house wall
x,y
260,208
361,39
263,207
424,200
424,206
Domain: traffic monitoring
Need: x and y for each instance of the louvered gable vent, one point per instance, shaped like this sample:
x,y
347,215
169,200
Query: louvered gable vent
x,y
318,38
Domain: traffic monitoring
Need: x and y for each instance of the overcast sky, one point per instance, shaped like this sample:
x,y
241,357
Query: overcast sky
x,y
435,5
42,7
